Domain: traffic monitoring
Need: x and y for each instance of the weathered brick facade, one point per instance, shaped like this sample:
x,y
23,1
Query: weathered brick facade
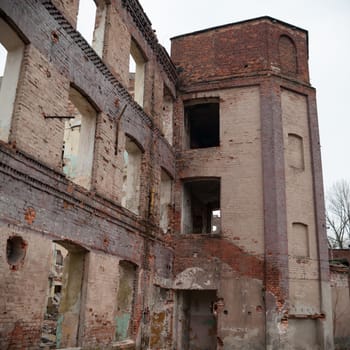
x,y
176,239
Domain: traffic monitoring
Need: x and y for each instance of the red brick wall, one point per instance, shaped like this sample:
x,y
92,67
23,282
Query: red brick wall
x,y
339,254
245,48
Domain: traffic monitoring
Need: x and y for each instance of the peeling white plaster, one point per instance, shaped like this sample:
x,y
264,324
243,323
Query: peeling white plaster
x,y
194,278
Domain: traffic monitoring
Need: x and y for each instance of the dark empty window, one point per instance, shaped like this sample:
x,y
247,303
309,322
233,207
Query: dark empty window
x,y
202,124
57,289
201,206
15,251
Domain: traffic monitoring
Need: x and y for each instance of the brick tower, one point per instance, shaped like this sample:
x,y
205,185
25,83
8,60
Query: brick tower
x,y
249,194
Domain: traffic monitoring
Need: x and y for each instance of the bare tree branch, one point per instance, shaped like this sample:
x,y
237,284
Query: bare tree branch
x,y
338,214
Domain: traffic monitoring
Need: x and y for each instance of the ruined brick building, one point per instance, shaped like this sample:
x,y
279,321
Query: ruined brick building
x,y
178,207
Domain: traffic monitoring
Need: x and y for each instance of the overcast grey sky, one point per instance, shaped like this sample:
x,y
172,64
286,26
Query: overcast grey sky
x,y
328,24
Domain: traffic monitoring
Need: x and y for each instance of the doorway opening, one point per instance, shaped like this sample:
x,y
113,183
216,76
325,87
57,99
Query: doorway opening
x,y
196,322
61,326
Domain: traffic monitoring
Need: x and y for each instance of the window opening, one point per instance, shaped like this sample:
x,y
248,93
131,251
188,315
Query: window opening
x,y
131,176
125,300
132,71
57,289
78,140
100,27
91,23
201,206
61,327
11,54
165,201
86,19
16,249
59,258
167,115
215,221
3,54
137,64
202,125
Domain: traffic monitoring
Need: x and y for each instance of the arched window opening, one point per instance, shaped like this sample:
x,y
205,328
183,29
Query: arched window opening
x,y
167,115
137,63
79,139
288,55
91,22
131,175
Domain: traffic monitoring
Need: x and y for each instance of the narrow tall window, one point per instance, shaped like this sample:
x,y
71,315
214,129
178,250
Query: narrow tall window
x,y
86,19
167,115
288,55
165,201
137,73
202,124
92,23
201,206
3,55
100,27
79,137
131,176
11,54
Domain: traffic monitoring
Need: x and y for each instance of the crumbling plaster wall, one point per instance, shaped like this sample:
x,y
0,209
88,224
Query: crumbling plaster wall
x,y
68,331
